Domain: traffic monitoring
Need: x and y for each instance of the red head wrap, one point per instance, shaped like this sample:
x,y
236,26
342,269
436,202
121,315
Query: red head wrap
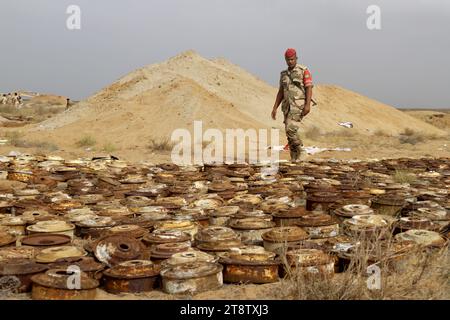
x,y
290,53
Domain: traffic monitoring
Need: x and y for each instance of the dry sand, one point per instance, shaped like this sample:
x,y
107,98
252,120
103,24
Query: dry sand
x,y
151,102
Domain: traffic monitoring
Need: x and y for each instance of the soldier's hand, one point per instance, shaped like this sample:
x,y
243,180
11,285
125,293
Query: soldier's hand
x,y
274,114
306,110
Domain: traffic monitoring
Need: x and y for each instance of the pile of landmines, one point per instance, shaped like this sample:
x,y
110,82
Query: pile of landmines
x,y
69,227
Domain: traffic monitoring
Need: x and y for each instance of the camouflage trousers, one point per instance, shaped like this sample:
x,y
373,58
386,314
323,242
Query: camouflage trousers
x,y
291,122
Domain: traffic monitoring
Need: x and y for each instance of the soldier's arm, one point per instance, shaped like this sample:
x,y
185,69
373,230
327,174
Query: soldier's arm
x,y
307,82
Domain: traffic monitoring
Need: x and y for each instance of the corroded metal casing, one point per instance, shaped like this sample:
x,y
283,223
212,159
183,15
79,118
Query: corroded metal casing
x,y
221,215
308,262
163,236
112,250
178,225
289,217
388,204
349,210
192,277
52,226
216,238
132,276
249,268
321,201
55,284
22,270
280,238
424,238
319,225
22,176
86,264
7,239
251,229
46,240
369,226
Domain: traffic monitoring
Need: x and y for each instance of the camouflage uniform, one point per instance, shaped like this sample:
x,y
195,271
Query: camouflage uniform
x,y
293,83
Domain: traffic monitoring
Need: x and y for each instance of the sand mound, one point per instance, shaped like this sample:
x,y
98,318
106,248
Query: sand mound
x,y
438,119
153,101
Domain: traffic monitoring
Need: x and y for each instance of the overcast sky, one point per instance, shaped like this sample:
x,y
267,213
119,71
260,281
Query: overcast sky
x,y
405,64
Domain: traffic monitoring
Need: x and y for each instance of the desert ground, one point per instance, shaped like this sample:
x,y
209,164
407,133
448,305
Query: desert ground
x,y
134,117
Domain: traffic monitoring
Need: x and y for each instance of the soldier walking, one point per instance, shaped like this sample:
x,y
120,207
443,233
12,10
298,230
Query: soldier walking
x,y
295,94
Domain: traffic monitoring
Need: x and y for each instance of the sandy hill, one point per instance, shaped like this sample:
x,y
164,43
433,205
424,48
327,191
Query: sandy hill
x,y
153,101
437,118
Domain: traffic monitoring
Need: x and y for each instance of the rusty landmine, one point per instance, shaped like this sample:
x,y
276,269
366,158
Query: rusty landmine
x,y
388,204
22,252
86,264
422,238
46,240
51,227
132,276
192,277
319,225
189,256
165,236
321,200
133,231
279,238
51,254
112,250
251,229
217,238
288,217
53,285
369,226
164,251
7,239
23,270
308,263
255,267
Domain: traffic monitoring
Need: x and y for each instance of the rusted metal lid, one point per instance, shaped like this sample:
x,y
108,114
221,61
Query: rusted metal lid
x,y
45,240
59,278
421,237
433,214
191,270
6,238
251,224
239,258
291,213
390,199
86,264
190,255
133,269
216,233
23,252
112,250
307,257
166,250
224,211
407,223
351,210
96,222
361,222
127,229
251,199
323,196
13,221
20,267
51,226
315,219
281,234
52,254
166,236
